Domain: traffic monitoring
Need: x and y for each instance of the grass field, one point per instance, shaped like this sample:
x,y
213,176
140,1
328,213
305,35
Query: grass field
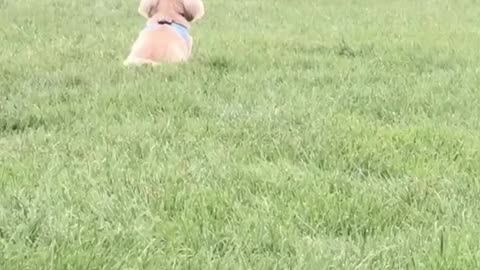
x,y
338,135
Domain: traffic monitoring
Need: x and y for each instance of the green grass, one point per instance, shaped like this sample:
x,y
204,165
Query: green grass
x,y
343,135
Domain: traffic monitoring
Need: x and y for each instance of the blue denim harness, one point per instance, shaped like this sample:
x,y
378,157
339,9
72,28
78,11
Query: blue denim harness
x,y
181,30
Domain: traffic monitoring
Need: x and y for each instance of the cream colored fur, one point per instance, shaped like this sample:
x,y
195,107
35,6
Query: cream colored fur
x,y
164,45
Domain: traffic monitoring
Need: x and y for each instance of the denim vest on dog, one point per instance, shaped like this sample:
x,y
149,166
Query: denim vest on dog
x,y
181,30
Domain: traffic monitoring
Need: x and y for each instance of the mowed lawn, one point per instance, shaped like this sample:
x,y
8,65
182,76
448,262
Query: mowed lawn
x,y
335,134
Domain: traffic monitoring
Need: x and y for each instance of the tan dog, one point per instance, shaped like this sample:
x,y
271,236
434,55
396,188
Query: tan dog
x,y
165,38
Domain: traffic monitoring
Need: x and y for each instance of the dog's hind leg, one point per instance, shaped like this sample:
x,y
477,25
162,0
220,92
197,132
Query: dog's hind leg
x,y
137,61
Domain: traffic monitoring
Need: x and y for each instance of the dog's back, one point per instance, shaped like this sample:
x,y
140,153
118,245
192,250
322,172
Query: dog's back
x,y
166,38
